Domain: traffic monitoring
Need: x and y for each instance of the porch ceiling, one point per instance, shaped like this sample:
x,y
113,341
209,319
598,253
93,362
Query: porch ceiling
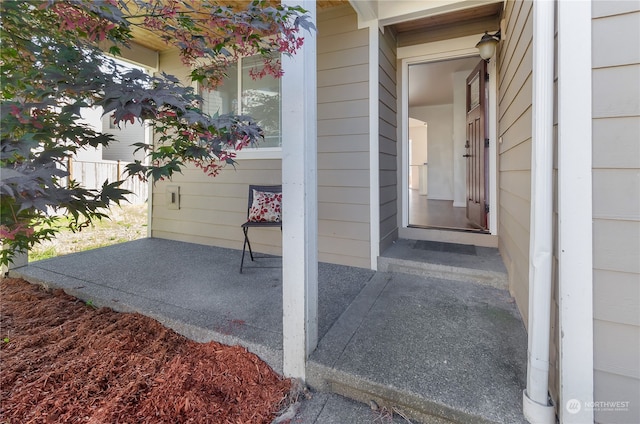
x,y
459,23
152,41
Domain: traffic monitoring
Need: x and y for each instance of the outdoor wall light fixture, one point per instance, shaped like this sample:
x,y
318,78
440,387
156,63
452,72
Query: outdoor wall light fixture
x,y
487,45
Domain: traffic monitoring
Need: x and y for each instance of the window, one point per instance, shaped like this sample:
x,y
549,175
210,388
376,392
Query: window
x,y
259,98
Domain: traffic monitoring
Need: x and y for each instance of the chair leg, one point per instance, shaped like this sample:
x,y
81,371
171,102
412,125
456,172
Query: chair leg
x,y
244,247
246,236
245,230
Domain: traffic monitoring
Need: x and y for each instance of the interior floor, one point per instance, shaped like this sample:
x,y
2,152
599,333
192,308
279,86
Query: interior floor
x,y
424,212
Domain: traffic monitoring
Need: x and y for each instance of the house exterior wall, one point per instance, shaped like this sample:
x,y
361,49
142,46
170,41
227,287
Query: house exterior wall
x,y
343,138
616,184
515,60
616,207
388,139
212,209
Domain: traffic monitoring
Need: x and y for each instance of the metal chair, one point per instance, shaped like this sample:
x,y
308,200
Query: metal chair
x,y
252,222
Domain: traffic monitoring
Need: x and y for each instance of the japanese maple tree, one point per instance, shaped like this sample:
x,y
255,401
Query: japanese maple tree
x,y
52,66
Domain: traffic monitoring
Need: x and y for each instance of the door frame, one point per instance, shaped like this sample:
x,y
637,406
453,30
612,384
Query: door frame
x,y
434,52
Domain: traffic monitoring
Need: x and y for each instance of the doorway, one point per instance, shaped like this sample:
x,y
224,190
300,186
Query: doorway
x,y
438,167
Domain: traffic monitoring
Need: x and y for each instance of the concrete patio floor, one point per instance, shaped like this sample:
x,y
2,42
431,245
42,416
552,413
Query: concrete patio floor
x,y
435,349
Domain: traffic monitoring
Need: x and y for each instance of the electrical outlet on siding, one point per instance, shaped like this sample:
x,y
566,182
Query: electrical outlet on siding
x,y
173,197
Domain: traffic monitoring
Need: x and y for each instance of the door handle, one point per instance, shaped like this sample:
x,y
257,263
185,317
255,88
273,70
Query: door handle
x,y
466,156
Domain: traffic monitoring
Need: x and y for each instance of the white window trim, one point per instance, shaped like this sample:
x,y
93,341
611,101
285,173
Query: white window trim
x,y
259,153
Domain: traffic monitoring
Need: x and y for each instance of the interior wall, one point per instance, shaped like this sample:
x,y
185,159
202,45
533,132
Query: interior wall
x,y
419,155
439,121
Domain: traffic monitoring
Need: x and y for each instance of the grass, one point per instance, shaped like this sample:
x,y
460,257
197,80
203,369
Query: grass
x,y
128,222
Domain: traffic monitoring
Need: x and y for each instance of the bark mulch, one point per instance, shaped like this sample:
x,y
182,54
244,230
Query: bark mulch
x,y
63,361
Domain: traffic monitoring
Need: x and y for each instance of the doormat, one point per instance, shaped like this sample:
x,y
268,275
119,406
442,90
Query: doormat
x,y
438,246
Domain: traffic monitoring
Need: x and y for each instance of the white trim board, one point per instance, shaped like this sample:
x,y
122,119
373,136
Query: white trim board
x,y
374,141
575,210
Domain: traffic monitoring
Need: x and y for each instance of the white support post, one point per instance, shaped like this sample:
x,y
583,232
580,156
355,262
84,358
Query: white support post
x,y
299,197
575,240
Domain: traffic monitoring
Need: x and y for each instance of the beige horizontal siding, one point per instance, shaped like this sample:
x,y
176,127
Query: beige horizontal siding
x,y
387,138
616,207
616,297
343,178
212,209
338,21
621,149
343,143
343,229
343,76
334,42
517,132
517,106
344,109
617,361
619,203
342,126
354,195
617,388
514,163
616,244
343,138
621,83
604,55
343,160
336,59
339,93
518,45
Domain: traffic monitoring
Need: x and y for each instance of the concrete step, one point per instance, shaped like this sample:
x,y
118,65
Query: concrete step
x,y
448,261
433,350
399,401
496,279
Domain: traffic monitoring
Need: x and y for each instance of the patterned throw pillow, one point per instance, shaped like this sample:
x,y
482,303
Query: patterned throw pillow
x,y
266,207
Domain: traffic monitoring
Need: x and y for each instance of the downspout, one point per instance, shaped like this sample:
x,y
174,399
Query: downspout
x,y
535,399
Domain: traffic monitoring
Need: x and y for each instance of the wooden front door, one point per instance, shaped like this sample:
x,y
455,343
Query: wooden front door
x,y
475,153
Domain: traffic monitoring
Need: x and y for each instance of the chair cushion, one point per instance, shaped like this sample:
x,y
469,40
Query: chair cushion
x,y
266,207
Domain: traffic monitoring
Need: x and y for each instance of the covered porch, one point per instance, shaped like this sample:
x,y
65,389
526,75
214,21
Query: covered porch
x,y
431,348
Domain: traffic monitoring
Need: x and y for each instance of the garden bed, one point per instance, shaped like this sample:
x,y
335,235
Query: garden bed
x,y
65,361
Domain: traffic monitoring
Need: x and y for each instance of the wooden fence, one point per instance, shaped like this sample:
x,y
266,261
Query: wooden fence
x,y
92,175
